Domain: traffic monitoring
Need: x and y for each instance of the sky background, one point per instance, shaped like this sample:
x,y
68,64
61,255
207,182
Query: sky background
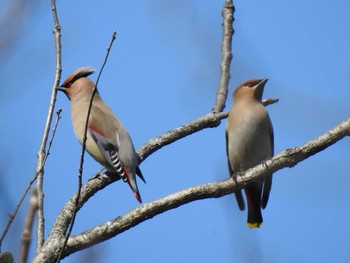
x,y
163,71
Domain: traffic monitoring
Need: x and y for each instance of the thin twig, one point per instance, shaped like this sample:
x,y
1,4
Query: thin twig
x,y
13,215
28,226
80,173
58,117
27,232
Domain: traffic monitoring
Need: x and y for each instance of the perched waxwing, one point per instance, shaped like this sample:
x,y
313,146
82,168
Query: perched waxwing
x,y
107,142
249,142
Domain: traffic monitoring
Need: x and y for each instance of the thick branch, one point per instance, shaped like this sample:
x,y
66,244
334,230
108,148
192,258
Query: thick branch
x,y
210,120
287,158
56,237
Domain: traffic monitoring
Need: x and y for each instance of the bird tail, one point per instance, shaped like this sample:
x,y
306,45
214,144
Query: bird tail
x,y
240,200
255,219
131,179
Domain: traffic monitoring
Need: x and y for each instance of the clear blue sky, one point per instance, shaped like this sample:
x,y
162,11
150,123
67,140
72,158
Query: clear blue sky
x,y
163,71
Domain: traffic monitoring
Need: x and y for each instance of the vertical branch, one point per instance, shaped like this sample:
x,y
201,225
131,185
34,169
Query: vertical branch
x,y
226,56
28,226
80,173
42,153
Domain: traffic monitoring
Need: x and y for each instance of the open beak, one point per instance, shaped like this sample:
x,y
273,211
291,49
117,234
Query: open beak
x,y
259,89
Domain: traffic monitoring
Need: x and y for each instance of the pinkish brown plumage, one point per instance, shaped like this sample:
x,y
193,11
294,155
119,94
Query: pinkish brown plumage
x,y
108,142
249,141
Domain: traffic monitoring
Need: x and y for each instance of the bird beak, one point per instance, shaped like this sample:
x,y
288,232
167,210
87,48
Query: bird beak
x,y
259,89
63,89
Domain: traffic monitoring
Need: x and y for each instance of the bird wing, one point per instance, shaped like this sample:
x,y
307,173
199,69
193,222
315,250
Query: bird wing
x,y
268,178
109,150
238,194
139,174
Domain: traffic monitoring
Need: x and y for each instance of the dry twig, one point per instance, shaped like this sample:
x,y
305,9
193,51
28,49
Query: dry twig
x,y
28,226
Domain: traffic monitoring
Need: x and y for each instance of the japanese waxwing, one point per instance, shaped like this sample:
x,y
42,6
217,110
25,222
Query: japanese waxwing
x,y
107,142
249,142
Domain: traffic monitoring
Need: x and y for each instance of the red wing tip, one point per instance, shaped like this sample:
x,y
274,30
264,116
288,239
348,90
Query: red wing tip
x,y
138,197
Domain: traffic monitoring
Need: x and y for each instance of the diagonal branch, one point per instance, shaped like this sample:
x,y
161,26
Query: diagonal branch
x,y
287,158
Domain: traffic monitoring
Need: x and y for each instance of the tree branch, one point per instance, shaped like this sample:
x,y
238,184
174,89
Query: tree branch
x,y
13,215
226,56
287,158
41,152
210,120
28,226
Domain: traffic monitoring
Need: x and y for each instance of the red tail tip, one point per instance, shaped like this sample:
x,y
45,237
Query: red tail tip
x,y
138,197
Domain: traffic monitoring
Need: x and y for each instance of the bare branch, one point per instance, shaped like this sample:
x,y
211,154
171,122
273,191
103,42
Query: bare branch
x,y
208,121
226,56
13,215
6,257
56,237
287,158
41,153
54,129
28,226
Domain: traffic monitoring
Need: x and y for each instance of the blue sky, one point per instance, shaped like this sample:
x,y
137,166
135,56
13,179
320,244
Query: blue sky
x,y
163,71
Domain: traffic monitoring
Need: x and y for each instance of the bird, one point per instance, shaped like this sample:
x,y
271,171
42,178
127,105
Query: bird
x,y
249,142
108,142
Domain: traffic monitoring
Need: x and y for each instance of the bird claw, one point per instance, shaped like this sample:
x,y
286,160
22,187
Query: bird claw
x,y
97,175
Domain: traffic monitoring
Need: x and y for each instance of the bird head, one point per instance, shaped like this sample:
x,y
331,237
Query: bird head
x,y
253,88
76,81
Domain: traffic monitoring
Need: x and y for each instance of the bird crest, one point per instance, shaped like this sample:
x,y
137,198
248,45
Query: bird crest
x,y
79,73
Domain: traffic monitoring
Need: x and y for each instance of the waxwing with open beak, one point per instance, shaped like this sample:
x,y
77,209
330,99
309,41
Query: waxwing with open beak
x,y
249,142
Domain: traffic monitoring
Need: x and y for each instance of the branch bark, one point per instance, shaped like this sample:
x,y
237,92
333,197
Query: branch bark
x,y
287,158
42,151
226,56
28,226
